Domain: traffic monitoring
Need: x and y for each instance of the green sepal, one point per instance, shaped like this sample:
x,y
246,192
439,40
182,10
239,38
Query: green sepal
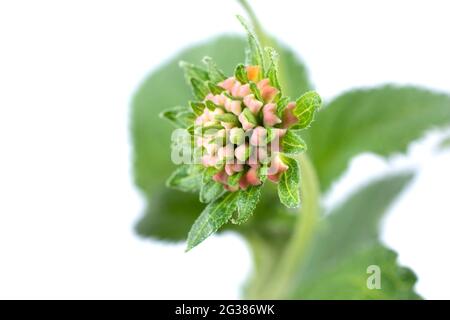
x,y
227,117
240,73
281,105
255,91
234,179
197,107
212,106
250,116
199,88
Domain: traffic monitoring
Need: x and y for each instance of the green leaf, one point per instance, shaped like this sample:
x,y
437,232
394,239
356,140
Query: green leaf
x,y
349,278
305,108
186,178
215,74
383,120
445,143
348,242
292,143
166,87
169,219
254,53
240,73
179,116
246,203
216,214
289,184
210,189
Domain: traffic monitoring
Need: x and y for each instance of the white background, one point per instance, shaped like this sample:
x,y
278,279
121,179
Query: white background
x,y
67,201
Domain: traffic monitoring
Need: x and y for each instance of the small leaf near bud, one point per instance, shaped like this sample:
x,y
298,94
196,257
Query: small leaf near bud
x,y
292,143
305,107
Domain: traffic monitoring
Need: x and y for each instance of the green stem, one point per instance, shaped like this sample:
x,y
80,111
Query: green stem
x,y
302,235
263,38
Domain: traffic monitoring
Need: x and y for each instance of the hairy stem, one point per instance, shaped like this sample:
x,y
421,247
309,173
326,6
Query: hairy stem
x,y
297,247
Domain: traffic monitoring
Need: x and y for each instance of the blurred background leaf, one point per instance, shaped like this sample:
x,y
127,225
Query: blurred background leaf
x,y
382,120
348,242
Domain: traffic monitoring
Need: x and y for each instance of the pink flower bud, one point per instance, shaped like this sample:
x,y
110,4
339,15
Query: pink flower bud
x,y
228,84
209,160
246,124
277,166
252,176
237,167
259,136
219,99
243,183
244,90
270,117
242,152
268,92
253,104
289,119
257,156
211,148
239,90
221,177
226,152
233,106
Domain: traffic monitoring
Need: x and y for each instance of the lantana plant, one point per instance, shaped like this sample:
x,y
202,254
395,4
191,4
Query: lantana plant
x,y
239,132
